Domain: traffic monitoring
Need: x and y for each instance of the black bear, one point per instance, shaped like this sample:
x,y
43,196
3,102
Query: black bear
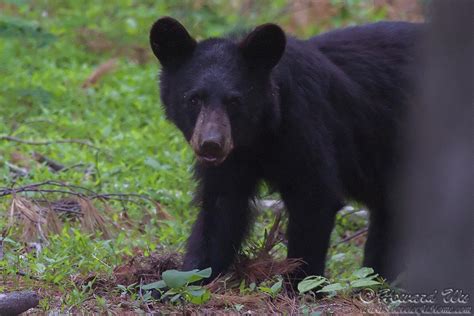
x,y
317,119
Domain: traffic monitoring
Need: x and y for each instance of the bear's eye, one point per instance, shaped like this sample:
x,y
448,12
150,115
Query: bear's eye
x,y
195,100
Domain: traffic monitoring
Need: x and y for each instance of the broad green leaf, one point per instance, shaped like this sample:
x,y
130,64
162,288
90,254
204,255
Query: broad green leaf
x,y
177,279
366,282
155,285
203,274
310,283
363,272
334,287
276,288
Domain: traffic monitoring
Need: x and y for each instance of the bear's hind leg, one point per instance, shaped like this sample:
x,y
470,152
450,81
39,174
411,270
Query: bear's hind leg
x,y
381,244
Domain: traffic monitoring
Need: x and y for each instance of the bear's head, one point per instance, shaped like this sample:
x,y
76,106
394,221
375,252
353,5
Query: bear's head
x,y
219,92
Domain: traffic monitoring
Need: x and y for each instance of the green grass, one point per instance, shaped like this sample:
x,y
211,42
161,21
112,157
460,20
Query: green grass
x,y
47,50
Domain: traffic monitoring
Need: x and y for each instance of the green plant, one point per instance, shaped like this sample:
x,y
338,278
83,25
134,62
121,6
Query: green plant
x,y
273,290
179,286
127,290
310,283
361,278
101,303
243,289
78,295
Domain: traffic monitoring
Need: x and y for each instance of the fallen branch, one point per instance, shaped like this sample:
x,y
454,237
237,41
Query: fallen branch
x,y
53,165
15,303
358,233
70,189
49,142
77,165
38,214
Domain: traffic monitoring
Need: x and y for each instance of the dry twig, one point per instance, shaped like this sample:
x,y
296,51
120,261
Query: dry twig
x,y
49,142
102,70
358,233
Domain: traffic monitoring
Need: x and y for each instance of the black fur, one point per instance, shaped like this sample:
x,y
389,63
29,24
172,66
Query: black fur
x,y
321,126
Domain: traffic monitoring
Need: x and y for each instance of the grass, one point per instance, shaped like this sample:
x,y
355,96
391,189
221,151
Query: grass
x,y
108,135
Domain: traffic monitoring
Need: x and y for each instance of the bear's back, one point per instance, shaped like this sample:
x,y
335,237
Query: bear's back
x,y
357,82
379,57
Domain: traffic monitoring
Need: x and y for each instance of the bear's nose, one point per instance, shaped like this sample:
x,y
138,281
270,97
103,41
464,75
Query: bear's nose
x,y
211,148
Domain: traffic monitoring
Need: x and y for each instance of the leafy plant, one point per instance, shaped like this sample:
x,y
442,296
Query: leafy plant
x,y
273,290
310,283
127,290
361,278
18,28
243,289
78,295
176,285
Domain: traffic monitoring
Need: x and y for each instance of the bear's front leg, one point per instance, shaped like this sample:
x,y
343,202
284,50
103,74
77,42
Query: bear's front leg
x,y
223,220
311,220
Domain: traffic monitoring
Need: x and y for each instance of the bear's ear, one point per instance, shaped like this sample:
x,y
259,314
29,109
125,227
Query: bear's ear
x,y
264,46
170,42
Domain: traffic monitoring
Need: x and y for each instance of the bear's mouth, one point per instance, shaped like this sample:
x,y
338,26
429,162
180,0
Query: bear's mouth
x,y
210,160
